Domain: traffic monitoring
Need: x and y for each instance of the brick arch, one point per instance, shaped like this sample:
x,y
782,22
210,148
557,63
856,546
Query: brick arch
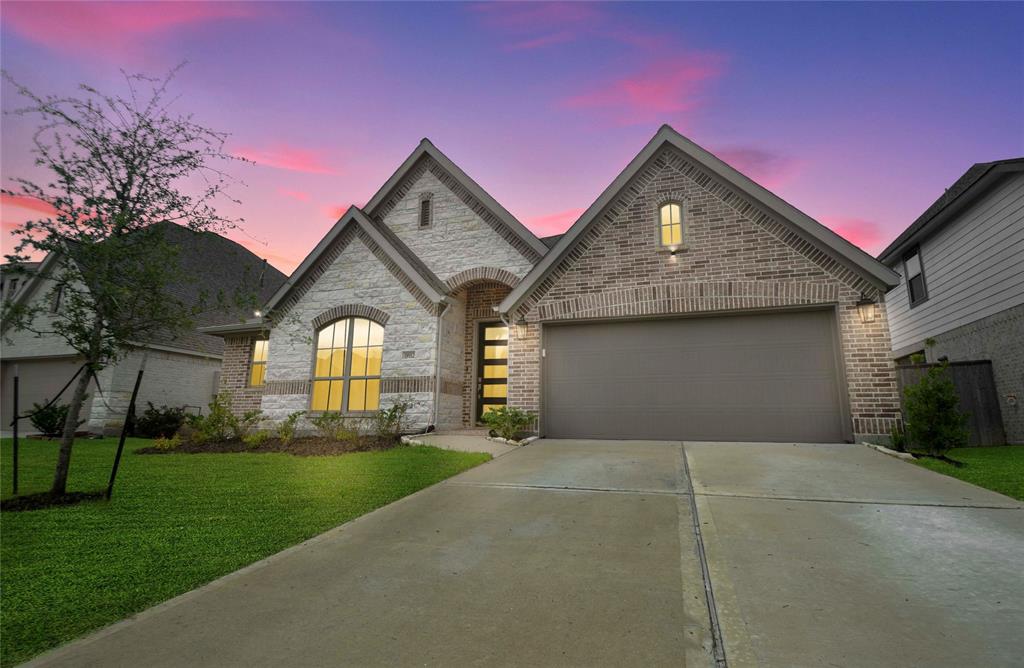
x,y
351,310
479,275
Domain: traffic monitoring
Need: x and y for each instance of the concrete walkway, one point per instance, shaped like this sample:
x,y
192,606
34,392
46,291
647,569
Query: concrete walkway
x,y
465,443
587,553
825,555
539,557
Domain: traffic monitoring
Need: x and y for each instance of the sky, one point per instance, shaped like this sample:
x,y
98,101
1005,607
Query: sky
x,y
857,114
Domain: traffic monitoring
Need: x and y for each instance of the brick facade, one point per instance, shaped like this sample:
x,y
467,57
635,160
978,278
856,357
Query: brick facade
x,y
735,257
234,374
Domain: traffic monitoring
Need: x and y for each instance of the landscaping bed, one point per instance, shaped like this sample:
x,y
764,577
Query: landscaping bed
x,y
306,446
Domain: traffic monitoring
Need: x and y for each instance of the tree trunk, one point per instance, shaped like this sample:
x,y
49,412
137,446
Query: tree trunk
x,y
60,476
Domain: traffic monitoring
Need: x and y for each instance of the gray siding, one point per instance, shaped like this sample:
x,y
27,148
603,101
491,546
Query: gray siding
x,y
973,267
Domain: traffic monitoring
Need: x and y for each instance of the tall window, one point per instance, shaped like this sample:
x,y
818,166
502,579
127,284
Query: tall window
x,y
670,224
258,369
58,299
426,212
347,369
917,291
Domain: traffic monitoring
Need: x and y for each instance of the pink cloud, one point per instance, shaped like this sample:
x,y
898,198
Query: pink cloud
x,y
863,233
545,40
283,156
300,195
112,29
553,223
335,211
768,168
532,25
26,203
661,92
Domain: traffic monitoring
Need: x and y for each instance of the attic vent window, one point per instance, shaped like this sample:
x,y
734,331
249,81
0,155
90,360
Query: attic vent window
x,y
426,212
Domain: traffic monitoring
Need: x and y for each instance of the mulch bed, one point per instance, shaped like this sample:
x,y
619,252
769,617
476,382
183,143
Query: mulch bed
x,y
308,446
46,500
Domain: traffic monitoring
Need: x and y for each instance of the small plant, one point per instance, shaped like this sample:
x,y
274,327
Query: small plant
x,y
167,443
50,420
508,422
286,430
243,426
254,440
333,426
934,424
388,423
898,439
159,422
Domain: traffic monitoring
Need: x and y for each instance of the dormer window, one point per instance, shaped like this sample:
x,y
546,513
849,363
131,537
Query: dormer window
x,y
670,224
426,211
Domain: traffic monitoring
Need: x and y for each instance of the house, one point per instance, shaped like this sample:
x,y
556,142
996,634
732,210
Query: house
x,y
687,302
181,370
962,281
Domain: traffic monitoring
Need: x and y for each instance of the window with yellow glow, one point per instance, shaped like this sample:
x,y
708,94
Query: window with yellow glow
x,y
258,370
670,224
346,372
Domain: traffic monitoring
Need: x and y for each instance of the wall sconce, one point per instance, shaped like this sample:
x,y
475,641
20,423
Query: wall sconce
x,y
866,309
258,313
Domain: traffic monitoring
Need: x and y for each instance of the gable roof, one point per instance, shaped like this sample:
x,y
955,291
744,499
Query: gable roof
x,y
427,149
398,252
965,190
213,264
813,231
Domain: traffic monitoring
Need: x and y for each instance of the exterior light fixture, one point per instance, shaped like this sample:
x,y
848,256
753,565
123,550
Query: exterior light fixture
x,y
866,309
258,313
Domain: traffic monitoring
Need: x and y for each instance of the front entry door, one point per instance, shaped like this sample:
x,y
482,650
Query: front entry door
x,y
492,367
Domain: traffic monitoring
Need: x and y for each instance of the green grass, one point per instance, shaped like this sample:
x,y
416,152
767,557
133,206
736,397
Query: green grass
x,y
999,468
174,523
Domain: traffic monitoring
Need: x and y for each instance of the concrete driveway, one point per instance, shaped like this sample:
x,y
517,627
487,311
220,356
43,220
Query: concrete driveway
x,y
586,553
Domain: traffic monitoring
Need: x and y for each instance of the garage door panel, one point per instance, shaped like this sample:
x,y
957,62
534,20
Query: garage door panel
x,y
753,377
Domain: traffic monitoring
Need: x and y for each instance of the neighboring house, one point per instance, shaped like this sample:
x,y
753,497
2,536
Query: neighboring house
x,y
181,370
686,303
962,287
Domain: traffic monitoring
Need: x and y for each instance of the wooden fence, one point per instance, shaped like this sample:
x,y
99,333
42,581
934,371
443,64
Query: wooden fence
x,y
976,389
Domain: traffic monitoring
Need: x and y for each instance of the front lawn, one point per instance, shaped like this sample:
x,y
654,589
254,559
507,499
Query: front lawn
x,y
176,521
999,468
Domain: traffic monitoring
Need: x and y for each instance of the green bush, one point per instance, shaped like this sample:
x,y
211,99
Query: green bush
x,y
286,430
898,439
50,420
508,422
256,439
167,442
333,426
388,423
934,424
159,422
243,426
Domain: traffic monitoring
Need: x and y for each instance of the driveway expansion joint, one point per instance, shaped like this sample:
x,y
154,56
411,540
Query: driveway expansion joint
x,y
858,502
568,488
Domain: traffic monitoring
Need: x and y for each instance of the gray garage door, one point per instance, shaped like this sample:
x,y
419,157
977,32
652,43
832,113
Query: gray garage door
x,y
764,377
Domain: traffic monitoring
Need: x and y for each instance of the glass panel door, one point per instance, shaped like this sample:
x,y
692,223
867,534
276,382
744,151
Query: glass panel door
x,y
492,375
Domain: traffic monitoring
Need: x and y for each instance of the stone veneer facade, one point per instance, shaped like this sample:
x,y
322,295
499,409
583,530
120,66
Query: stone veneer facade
x,y
735,257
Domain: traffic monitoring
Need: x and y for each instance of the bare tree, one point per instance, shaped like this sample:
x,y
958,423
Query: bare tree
x,y
121,169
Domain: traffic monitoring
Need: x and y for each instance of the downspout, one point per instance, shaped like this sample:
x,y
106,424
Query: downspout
x,y
437,365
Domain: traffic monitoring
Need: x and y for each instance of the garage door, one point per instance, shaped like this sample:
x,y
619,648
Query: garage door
x,y
39,381
764,377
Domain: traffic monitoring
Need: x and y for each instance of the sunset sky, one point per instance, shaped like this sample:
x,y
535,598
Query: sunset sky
x,y
857,114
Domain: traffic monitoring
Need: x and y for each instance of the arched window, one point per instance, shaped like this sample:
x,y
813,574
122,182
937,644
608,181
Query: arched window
x,y
346,374
670,224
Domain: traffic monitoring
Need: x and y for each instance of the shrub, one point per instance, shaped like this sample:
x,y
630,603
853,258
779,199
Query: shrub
x,y
934,424
50,420
256,439
159,422
508,422
243,426
219,424
286,430
167,442
898,439
388,423
333,426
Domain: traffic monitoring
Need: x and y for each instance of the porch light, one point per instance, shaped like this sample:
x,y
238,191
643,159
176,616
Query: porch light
x,y
258,313
866,308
